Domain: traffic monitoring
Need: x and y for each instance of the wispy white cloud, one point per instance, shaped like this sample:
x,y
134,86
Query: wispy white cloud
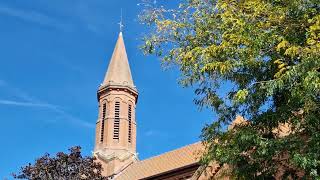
x,y
88,16
65,62
31,102
34,17
151,132
25,104
19,93
92,16
85,15
73,119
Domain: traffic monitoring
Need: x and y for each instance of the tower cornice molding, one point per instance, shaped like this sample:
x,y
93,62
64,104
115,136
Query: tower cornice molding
x,y
108,88
120,154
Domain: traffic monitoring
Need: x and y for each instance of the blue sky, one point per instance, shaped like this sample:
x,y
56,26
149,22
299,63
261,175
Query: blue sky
x,y
53,57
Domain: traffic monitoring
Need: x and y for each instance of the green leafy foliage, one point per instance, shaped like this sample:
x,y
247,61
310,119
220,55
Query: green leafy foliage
x,y
64,166
269,51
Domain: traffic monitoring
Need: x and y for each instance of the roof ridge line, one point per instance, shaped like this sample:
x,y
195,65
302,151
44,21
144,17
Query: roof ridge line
x,y
198,142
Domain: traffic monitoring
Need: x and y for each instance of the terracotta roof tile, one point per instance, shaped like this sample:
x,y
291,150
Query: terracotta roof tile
x,y
171,160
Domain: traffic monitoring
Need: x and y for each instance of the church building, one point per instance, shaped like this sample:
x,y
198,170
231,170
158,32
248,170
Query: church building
x,y
115,141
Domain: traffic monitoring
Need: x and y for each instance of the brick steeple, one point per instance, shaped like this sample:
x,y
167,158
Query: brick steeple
x,y
115,144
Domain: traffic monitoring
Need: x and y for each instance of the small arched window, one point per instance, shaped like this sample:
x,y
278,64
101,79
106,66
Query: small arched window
x,y
104,108
116,126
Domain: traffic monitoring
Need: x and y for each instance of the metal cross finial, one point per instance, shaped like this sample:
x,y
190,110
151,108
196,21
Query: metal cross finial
x,y
120,23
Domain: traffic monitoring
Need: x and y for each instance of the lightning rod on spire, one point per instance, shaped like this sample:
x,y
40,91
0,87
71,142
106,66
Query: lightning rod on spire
x,y
120,23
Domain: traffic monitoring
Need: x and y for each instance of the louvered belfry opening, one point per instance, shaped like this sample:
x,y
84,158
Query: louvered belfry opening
x,y
129,123
102,122
116,127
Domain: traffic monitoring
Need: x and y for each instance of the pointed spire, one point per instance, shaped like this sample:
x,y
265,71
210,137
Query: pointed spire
x,y
119,70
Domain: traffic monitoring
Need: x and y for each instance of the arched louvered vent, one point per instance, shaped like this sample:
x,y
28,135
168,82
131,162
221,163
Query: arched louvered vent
x,y
129,123
116,127
102,121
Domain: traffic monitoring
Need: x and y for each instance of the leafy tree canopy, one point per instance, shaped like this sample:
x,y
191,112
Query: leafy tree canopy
x,y
70,166
267,52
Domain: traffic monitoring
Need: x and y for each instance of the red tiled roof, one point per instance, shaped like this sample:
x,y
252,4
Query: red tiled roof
x,y
171,160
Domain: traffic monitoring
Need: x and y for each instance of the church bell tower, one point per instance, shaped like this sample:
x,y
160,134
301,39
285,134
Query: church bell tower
x,y
115,142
